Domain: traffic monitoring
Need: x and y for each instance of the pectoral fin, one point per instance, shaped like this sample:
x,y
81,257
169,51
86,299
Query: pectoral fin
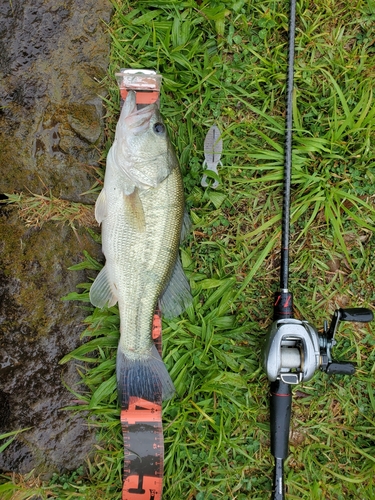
x,y
134,211
101,207
101,291
176,296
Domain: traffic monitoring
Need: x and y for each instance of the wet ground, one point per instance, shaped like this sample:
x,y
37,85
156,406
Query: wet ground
x,y
53,54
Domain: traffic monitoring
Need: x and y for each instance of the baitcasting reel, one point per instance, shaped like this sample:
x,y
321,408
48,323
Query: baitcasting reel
x,y
294,350
292,353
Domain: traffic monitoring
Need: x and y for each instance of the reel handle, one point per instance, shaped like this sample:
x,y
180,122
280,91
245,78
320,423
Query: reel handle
x,y
358,314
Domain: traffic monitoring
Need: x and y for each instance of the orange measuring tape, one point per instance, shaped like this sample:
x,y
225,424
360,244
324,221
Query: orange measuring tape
x,y
142,431
144,97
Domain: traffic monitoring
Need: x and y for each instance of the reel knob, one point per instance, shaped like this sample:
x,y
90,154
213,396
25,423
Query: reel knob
x,y
336,368
358,314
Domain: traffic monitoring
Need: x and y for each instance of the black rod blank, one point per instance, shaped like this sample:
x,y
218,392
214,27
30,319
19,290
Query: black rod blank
x,y
284,265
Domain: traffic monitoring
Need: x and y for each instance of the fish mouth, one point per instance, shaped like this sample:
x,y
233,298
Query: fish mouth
x,y
137,120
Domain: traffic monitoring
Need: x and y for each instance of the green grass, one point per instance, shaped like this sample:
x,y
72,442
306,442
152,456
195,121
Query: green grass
x,y
226,63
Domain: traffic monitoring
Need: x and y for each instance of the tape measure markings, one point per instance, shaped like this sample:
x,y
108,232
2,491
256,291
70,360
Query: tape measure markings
x,y
142,431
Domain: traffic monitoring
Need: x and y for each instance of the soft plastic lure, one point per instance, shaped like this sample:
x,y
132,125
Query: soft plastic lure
x,y
213,147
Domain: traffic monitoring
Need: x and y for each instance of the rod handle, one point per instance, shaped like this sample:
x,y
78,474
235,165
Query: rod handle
x,y
280,411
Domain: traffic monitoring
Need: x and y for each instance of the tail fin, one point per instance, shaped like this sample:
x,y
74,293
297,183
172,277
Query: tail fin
x,y
145,378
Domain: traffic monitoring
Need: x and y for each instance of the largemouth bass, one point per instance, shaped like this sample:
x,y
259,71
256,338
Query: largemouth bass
x,y
141,210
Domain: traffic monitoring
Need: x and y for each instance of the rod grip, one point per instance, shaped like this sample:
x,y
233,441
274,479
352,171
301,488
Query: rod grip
x,y
280,409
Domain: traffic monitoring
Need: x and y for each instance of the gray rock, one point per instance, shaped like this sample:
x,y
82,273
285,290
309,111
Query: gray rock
x,y
53,53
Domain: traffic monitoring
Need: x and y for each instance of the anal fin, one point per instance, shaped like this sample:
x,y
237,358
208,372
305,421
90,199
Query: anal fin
x,y
176,296
186,226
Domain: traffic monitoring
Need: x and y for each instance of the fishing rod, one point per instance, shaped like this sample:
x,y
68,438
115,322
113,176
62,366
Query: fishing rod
x,y
294,350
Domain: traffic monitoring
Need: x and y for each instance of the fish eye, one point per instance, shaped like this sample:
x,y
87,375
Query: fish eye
x,y
159,128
